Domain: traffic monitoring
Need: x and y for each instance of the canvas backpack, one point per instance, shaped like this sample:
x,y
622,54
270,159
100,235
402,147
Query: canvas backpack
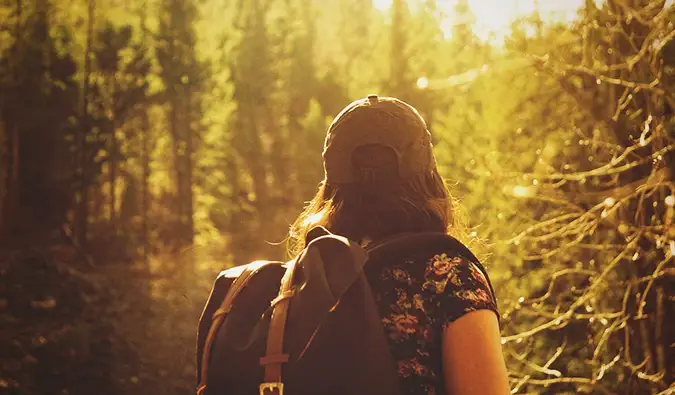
x,y
308,326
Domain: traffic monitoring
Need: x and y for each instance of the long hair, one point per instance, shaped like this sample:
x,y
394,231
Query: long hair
x,y
366,212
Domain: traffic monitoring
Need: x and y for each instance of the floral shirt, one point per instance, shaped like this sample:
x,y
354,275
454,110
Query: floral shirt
x,y
417,298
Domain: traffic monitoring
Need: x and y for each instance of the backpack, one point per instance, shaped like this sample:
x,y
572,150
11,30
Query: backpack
x,y
308,326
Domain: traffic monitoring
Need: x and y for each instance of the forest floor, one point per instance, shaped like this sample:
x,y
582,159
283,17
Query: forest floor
x,y
112,329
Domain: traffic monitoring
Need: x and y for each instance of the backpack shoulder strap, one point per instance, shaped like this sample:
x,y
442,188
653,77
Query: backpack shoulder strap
x,y
274,356
317,293
243,275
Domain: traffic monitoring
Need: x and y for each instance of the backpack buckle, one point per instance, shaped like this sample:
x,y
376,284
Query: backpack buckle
x,y
272,387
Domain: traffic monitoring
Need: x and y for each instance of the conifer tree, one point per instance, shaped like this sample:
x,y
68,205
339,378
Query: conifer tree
x,y
181,74
37,107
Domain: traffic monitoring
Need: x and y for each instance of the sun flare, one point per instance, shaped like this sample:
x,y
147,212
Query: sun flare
x,y
493,17
382,5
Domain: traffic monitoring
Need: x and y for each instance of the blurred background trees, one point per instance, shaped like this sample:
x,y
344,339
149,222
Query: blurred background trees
x,y
145,145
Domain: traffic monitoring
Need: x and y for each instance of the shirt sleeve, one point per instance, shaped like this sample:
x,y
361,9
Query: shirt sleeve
x,y
459,285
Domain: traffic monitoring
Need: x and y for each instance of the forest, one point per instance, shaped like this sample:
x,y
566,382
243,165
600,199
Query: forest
x,y
145,145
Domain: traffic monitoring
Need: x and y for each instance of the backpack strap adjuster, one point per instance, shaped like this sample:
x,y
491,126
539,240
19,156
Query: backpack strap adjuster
x,y
268,359
272,389
282,296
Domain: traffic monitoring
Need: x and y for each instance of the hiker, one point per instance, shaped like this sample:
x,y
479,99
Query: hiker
x,y
435,305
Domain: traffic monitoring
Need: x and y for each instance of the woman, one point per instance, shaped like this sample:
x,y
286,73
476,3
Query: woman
x,y
436,307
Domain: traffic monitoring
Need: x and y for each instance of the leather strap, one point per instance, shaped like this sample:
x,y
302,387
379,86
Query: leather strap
x,y
274,356
219,316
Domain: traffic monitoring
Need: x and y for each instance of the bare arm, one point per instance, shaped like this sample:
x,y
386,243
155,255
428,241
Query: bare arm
x,y
472,356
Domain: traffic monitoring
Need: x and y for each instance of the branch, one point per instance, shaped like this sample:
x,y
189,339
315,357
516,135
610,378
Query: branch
x,y
611,167
542,369
577,380
580,301
657,273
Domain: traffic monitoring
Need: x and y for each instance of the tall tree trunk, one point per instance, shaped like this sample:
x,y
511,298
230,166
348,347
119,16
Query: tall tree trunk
x,y
4,168
189,198
174,129
113,157
145,160
10,180
113,177
82,211
145,175
8,193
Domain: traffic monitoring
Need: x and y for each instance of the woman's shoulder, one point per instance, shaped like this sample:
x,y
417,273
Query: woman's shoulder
x,y
460,284
448,268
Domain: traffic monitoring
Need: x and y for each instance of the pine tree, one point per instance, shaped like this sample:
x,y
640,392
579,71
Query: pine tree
x,y
400,82
123,87
294,50
181,74
83,171
37,108
252,124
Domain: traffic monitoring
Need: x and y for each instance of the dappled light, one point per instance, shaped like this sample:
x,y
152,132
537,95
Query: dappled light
x,y
146,145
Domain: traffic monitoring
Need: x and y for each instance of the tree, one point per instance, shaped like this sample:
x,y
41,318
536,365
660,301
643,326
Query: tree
x,y
123,86
120,86
293,33
604,235
83,171
37,106
181,74
401,82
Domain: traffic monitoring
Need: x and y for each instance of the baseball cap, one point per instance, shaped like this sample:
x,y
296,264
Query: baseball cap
x,y
381,122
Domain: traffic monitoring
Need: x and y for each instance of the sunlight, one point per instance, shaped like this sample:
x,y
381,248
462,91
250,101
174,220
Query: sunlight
x,y
423,82
494,17
521,191
382,5
314,218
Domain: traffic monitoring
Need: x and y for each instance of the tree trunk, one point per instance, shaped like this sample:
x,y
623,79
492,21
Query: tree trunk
x,y
10,178
113,177
189,198
4,177
145,162
10,181
145,196
113,158
174,129
82,211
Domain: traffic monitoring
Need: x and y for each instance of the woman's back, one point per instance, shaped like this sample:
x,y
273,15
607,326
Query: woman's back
x,y
418,295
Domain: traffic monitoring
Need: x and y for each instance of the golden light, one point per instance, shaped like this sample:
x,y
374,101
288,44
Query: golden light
x,y
314,218
382,5
494,17
609,202
521,191
422,82
670,201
